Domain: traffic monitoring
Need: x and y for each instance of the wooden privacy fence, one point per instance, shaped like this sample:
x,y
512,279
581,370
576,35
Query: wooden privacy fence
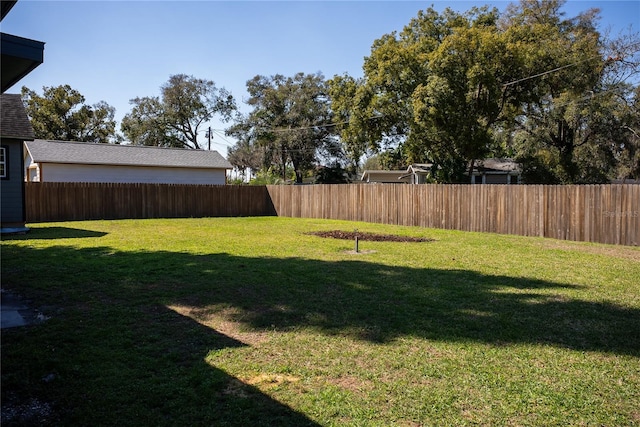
x,y
64,201
595,213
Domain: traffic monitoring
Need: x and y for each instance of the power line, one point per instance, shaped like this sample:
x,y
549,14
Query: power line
x,y
549,72
617,58
219,133
282,130
310,127
328,125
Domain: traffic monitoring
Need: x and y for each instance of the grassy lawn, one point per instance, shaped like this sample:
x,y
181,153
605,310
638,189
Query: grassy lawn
x,y
251,321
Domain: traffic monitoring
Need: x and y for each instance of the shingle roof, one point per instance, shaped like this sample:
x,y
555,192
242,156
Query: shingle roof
x,y
43,151
14,122
496,164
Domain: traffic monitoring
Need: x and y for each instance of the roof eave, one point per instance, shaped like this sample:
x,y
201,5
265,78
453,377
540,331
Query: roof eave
x,y
19,138
20,56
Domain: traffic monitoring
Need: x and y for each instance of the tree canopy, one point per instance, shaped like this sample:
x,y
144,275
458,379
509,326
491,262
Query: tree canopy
x,y
453,88
289,122
572,130
175,118
60,113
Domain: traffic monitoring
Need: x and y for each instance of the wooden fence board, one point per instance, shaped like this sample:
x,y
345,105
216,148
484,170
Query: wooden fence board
x,y
595,213
83,201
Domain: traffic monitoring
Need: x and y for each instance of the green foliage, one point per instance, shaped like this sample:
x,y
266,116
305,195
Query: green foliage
x,y
372,163
332,174
539,168
288,123
564,116
236,181
392,159
267,177
61,114
175,118
349,104
439,86
245,157
453,88
628,149
145,124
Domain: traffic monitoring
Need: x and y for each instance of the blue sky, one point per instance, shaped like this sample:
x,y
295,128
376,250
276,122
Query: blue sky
x,y
114,51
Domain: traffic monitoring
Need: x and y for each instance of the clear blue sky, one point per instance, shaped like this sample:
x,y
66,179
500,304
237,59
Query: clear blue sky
x,y
114,51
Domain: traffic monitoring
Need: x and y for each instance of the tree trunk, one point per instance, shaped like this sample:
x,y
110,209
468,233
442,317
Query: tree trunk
x,y
471,165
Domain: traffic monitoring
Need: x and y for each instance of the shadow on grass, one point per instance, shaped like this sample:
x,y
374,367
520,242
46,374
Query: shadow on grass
x,y
109,363
52,233
115,341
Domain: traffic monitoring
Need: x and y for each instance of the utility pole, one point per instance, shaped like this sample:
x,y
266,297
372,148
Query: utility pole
x,y
208,135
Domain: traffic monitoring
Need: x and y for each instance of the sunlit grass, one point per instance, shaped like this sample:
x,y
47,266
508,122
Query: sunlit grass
x,y
251,321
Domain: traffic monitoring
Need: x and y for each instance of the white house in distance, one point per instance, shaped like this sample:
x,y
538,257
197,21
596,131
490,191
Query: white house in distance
x,y
64,161
487,171
385,177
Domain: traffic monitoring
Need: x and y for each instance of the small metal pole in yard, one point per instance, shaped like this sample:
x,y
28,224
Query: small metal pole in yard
x,y
356,240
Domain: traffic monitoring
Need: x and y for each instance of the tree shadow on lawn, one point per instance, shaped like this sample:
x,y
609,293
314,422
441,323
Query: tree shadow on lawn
x,y
120,340
111,356
52,233
146,367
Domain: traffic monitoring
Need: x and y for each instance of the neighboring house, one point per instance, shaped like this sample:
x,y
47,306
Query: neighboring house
x,y
496,171
15,128
386,177
19,56
417,173
488,171
62,161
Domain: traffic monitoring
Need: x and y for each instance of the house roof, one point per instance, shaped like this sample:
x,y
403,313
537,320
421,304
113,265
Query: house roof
x,y
5,7
420,168
14,122
500,165
382,172
384,175
43,151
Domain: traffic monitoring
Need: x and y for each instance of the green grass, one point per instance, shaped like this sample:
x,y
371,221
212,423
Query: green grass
x,y
250,321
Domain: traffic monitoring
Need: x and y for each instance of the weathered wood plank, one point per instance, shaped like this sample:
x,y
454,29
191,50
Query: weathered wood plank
x,y
596,213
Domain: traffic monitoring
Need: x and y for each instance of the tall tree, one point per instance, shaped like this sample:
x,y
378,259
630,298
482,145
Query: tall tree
x,y
246,157
60,113
349,100
628,166
437,89
452,88
175,118
571,66
289,120
574,128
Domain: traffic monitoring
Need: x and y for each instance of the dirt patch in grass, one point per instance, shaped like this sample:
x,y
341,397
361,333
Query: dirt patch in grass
x,y
353,384
372,237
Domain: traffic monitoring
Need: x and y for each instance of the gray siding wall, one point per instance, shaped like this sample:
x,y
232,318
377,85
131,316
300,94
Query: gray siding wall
x,y
53,172
11,188
496,179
